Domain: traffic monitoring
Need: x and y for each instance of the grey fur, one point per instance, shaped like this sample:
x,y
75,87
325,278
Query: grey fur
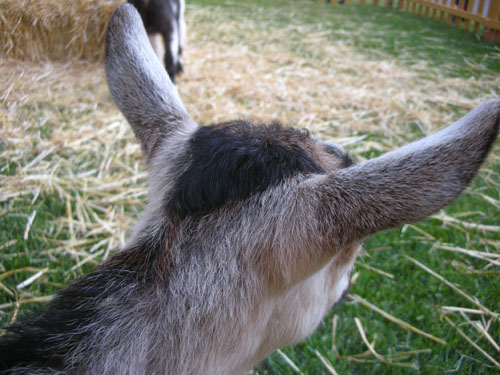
x,y
262,273
138,82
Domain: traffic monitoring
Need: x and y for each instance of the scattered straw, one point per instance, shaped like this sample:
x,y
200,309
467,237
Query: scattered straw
x,y
31,279
454,287
472,253
7,290
380,272
28,225
485,333
481,329
375,354
7,244
481,227
289,361
388,316
467,338
27,301
354,357
4,275
327,363
462,309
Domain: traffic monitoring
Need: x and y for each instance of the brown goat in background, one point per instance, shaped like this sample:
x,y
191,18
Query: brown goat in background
x,y
248,240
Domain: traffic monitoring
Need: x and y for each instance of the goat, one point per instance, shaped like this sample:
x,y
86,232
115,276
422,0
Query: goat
x,y
248,240
164,19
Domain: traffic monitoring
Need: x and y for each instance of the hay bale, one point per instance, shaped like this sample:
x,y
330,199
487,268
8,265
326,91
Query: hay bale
x,y
54,29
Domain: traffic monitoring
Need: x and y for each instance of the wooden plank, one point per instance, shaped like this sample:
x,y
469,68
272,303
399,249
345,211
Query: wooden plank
x,y
375,2
441,15
470,9
400,4
407,7
494,14
421,11
458,20
492,23
480,9
450,19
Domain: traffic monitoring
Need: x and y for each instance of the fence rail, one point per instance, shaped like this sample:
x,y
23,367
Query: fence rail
x,y
478,16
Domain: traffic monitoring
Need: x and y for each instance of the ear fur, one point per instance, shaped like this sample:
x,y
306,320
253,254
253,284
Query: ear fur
x,y
407,184
139,83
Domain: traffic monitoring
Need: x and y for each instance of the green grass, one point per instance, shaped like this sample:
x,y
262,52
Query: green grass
x,y
381,31
413,295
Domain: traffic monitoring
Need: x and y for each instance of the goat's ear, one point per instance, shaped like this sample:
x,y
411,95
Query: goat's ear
x,y
407,184
139,83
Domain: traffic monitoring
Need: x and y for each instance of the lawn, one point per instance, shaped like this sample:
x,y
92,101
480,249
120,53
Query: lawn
x,y
72,182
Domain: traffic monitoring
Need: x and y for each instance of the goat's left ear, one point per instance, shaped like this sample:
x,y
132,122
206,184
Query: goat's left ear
x,y
139,83
407,184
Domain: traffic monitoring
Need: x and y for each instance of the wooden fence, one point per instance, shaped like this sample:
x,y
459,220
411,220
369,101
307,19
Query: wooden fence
x,y
478,16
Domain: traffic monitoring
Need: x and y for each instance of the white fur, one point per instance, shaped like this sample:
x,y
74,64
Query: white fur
x,y
174,42
158,46
182,24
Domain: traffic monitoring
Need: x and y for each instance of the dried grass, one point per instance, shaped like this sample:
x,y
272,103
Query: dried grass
x,y
50,29
390,317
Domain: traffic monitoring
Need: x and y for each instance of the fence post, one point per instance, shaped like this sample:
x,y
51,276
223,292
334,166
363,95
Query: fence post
x,y
451,17
441,16
480,9
493,14
375,2
458,20
469,7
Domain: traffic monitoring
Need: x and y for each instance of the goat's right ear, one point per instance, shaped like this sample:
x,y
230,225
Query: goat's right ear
x,y
139,83
404,185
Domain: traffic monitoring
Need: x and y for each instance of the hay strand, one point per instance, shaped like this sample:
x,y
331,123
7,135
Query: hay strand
x,y
393,319
454,287
42,299
375,354
468,339
327,363
289,362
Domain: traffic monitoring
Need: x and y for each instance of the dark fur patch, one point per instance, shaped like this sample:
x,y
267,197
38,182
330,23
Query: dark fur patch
x,y
232,161
347,160
44,340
